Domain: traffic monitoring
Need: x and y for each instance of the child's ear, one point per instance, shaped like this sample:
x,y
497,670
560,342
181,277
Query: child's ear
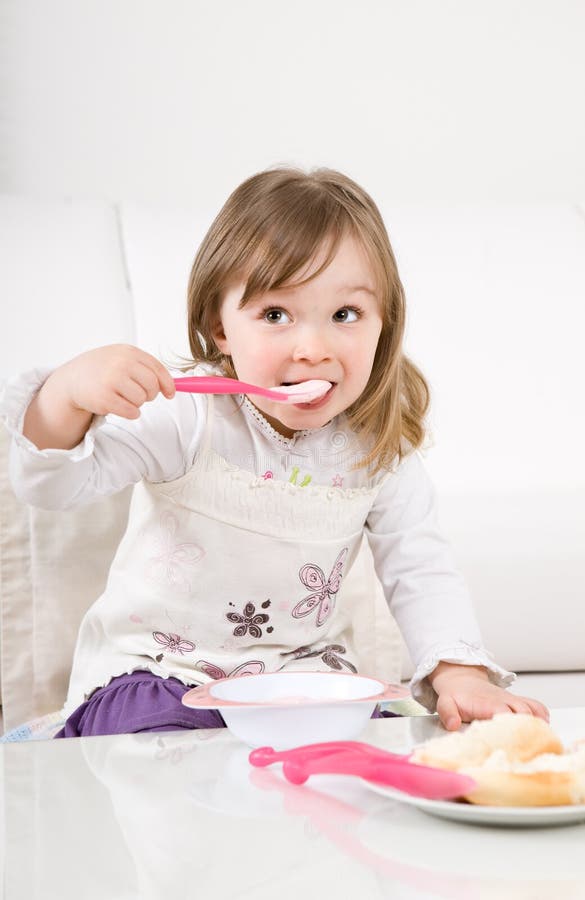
x,y
219,338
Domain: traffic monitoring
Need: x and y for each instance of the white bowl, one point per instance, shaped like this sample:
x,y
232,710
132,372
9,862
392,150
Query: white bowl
x,y
287,709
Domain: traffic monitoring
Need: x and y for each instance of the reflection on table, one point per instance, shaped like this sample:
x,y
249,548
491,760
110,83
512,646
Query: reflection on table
x,y
143,816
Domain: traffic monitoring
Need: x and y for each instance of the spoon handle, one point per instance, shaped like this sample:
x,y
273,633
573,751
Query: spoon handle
x,y
212,384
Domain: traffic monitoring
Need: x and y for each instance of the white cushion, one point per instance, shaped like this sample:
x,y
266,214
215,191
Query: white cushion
x,y
53,565
159,248
496,314
62,282
64,289
496,317
522,555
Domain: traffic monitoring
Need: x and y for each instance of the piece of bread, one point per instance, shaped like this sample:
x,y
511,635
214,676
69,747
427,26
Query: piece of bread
x,y
516,760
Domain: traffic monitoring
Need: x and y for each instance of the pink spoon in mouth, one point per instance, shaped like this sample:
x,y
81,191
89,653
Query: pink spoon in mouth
x,y
304,392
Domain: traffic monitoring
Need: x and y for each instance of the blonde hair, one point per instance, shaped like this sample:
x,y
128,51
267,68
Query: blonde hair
x,y
269,229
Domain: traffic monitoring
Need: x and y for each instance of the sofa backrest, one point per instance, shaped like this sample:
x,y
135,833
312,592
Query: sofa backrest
x,y
496,300
64,289
496,310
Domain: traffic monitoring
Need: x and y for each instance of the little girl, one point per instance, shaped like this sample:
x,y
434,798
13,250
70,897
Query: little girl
x,y
247,513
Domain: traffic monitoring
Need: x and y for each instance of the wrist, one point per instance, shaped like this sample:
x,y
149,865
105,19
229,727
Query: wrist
x,y
52,420
446,671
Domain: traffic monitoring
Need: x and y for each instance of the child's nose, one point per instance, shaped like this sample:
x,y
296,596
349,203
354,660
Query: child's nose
x,y
312,345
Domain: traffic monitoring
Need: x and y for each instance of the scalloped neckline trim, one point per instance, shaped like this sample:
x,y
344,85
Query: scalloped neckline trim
x,y
271,432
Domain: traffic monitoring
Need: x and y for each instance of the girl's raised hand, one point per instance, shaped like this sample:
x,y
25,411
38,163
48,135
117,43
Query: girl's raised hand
x,y
115,379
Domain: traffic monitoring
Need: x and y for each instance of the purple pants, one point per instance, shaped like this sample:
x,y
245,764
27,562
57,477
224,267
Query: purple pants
x,y
141,701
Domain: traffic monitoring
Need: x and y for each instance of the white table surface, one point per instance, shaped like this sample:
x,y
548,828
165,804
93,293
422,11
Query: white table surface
x,y
183,815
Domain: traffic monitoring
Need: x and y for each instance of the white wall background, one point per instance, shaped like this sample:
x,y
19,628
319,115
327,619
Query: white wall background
x,y
176,101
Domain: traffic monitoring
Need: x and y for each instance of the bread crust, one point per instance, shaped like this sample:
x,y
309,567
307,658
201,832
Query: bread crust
x,y
522,789
515,760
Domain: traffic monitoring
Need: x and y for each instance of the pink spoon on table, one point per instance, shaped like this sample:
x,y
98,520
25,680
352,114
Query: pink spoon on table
x,y
304,392
265,756
365,761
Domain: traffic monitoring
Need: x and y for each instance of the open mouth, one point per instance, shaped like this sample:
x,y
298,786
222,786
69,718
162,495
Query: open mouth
x,y
303,380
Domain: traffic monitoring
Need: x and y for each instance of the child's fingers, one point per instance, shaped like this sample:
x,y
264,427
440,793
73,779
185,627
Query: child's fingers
x,y
519,705
162,374
140,385
167,384
537,708
448,712
148,381
522,705
133,391
119,406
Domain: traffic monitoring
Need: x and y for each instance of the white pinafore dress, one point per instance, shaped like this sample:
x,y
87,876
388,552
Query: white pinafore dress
x,y
222,573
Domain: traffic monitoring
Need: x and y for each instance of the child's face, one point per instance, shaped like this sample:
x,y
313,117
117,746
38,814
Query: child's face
x,y
327,328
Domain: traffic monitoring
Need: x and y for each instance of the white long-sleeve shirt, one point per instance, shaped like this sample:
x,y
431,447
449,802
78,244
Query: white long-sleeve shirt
x,y
233,524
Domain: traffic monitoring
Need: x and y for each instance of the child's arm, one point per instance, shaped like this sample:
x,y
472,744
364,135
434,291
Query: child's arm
x,y
430,602
465,693
115,379
156,442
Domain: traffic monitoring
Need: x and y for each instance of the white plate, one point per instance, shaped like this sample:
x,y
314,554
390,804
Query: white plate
x,y
472,814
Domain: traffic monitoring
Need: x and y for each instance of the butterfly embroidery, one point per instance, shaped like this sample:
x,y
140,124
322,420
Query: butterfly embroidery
x,y
323,592
253,667
174,643
172,561
329,654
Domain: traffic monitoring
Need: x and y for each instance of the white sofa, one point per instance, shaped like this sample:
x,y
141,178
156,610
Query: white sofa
x,y
496,299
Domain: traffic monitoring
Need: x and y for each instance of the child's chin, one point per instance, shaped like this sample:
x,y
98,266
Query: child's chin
x,y
293,419
304,422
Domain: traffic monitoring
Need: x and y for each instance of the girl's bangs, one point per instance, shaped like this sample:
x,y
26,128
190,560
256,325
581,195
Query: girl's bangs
x,y
280,255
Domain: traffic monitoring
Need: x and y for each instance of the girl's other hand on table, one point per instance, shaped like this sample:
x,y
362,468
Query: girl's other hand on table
x,y
465,693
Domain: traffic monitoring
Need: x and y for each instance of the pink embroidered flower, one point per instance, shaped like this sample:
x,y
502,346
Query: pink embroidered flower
x,y
323,596
337,481
267,475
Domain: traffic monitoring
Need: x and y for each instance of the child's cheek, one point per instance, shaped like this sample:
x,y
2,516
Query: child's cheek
x,y
267,365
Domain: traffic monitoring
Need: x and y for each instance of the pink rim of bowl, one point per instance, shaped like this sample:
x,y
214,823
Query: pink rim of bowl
x,y
203,697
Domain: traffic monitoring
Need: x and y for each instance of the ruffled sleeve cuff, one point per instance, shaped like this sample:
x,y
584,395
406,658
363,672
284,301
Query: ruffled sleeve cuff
x,y
462,654
16,394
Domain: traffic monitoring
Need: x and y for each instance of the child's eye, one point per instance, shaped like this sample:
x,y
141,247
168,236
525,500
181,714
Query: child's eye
x,y
347,314
275,316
